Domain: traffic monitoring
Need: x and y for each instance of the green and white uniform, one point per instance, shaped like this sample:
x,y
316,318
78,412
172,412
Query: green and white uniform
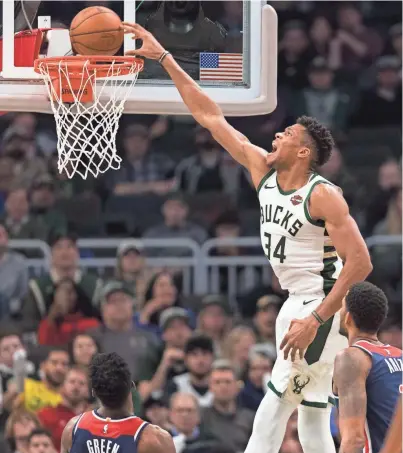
x,y
306,263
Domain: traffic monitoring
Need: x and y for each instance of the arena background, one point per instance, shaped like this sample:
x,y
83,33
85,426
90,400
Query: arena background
x,y
145,258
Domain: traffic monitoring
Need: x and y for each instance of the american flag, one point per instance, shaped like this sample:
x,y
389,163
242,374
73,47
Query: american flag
x,y
221,66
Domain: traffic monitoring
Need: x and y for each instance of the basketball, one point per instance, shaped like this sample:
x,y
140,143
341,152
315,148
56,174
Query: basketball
x,y
96,31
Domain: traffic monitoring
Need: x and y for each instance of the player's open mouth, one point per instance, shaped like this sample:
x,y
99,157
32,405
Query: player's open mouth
x,y
273,147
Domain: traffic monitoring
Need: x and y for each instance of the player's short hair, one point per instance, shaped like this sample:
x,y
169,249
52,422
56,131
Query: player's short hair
x,y
110,379
320,138
367,305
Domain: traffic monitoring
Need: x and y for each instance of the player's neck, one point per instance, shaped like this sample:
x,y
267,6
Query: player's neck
x,y
114,414
292,179
363,336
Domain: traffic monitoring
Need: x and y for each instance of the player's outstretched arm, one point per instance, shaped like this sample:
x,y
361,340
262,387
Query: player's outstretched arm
x,y
155,440
351,369
67,436
393,442
204,110
328,204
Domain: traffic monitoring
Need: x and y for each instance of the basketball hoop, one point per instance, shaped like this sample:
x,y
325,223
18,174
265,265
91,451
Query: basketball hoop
x,y
87,95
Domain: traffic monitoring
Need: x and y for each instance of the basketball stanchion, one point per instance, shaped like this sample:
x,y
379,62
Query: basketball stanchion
x,y
87,95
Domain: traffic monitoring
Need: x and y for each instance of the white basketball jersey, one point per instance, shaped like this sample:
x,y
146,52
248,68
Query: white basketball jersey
x,y
299,249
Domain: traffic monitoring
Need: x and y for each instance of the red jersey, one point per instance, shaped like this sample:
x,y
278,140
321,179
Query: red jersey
x,y
96,434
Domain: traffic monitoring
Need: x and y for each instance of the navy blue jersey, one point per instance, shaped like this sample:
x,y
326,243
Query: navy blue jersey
x,y
383,386
95,434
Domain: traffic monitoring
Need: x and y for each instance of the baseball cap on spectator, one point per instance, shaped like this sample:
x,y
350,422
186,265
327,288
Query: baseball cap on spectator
x,y
126,247
43,181
114,286
154,400
176,196
319,64
267,301
266,349
199,341
388,62
170,314
136,130
61,237
218,301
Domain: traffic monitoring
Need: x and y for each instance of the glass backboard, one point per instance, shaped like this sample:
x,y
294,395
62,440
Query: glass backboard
x,y
229,47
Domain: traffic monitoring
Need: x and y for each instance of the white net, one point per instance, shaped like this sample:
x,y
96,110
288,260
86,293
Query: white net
x,y
87,131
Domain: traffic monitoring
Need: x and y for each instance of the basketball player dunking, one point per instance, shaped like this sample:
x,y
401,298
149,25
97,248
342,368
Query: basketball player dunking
x,y
113,428
367,375
307,233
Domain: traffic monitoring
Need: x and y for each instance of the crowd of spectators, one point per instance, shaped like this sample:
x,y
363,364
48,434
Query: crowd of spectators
x,y
201,363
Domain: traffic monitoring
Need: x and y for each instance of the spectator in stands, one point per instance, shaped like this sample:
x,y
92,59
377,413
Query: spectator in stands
x,y
75,396
321,34
19,427
387,259
70,312
14,367
389,179
209,170
335,170
214,319
139,348
131,269
82,349
237,346
45,139
40,441
382,107
13,278
259,367
232,18
19,144
294,55
176,331
184,415
395,36
161,293
264,321
143,170
321,99
6,179
199,356
358,44
391,334
18,221
43,198
64,264
176,225
156,412
225,420
46,392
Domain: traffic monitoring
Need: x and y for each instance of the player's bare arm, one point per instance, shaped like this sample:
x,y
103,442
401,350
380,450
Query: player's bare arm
x,y
393,442
155,440
67,436
350,373
328,204
204,110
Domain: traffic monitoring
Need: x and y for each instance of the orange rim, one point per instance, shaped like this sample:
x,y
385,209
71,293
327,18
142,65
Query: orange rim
x,y
98,63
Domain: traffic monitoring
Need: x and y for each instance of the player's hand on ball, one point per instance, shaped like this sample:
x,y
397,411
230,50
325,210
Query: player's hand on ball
x,y
299,336
151,48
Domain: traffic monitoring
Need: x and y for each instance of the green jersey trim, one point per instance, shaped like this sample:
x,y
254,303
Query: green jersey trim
x,y
274,390
315,349
318,223
264,179
285,192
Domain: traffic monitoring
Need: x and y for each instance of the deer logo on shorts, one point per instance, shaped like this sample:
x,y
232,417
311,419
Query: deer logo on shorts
x,y
299,385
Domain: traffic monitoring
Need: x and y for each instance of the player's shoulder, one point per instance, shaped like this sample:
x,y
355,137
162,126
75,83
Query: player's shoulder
x,y
155,440
322,187
350,359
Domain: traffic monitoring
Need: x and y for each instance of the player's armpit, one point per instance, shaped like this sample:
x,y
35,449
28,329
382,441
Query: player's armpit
x,y
67,436
155,440
328,204
350,373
